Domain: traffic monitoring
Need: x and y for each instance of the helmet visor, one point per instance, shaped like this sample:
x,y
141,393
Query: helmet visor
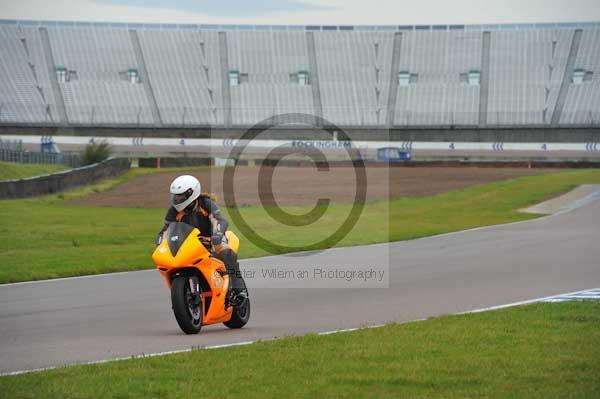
x,y
177,199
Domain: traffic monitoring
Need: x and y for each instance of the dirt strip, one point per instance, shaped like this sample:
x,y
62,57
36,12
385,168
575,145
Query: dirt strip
x,y
304,185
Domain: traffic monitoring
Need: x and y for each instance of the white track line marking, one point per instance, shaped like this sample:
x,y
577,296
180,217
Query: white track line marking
x,y
527,302
581,202
338,331
553,298
141,356
54,280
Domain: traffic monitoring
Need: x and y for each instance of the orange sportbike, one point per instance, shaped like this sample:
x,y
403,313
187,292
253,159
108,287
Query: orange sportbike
x,y
199,282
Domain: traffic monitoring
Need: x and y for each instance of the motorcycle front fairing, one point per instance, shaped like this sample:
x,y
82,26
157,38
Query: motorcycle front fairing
x,y
179,248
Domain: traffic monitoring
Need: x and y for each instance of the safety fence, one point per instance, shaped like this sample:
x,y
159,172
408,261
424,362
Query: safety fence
x,y
22,156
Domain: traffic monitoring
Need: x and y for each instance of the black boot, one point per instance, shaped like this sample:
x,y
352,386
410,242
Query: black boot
x,y
238,293
238,297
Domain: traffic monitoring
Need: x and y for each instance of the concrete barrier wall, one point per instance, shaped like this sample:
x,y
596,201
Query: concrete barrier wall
x,y
214,145
448,134
56,182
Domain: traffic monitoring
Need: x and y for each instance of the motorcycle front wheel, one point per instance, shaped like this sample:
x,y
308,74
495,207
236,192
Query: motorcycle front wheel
x,y
187,313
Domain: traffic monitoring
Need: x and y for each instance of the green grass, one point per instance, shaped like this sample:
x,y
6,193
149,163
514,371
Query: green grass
x,y
50,237
535,351
10,170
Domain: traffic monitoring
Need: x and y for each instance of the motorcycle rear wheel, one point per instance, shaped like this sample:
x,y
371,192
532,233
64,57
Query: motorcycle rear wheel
x,y
188,315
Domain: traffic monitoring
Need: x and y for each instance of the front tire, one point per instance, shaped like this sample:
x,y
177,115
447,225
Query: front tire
x,y
187,314
240,316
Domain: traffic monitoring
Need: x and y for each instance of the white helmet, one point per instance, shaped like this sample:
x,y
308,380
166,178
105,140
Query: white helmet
x,y
184,190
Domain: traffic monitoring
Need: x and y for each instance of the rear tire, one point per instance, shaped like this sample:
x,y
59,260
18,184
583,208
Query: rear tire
x,y
240,316
187,315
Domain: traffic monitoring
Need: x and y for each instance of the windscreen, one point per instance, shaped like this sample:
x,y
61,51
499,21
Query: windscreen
x,y
176,235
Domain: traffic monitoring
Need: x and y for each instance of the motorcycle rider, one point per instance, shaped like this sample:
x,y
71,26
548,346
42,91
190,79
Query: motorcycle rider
x,y
189,205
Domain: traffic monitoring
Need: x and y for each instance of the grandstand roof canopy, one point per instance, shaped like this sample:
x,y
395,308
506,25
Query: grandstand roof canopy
x,y
588,25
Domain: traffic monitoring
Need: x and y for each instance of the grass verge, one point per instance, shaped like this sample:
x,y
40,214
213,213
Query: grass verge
x,y
10,170
50,237
535,351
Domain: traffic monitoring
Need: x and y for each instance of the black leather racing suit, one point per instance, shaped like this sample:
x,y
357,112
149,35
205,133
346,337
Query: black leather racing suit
x,y
207,218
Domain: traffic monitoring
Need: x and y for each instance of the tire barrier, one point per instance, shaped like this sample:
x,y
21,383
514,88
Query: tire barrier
x,y
174,162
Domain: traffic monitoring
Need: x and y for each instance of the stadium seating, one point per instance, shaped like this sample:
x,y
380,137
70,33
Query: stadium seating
x,y
180,75
183,68
583,101
354,73
269,59
25,92
439,97
526,71
100,92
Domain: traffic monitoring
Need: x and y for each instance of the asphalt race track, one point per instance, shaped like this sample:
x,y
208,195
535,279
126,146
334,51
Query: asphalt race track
x,y
51,323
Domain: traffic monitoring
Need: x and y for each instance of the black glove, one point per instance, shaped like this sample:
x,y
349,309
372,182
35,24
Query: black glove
x,y
216,239
203,239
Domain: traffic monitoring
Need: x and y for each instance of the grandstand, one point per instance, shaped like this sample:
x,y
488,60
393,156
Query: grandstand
x,y
166,76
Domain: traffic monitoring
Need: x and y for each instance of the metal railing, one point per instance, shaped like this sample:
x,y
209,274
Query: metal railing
x,y
14,145
186,116
7,155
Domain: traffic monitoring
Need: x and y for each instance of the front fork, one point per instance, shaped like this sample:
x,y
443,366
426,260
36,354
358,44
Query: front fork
x,y
195,291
